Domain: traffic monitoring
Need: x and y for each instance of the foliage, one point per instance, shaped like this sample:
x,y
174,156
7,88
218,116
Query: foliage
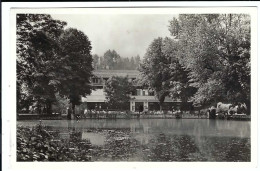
x,y
163,73
113,61
155,70
118,90
61,104
36,53
179,81
74,68
51,60
40,143
96,61
216,51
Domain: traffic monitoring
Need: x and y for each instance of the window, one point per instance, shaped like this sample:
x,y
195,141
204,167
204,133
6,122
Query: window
x,y
95,80
138,92
151,93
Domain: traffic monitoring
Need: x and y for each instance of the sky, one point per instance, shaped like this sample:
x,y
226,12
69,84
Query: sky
x,y
128,34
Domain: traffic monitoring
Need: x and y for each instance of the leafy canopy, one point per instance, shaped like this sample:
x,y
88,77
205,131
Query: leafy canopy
x,y
216,51
37,50
51,60
162,71
118,91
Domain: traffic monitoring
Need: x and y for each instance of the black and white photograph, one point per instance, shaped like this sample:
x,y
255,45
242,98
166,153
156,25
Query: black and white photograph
x,y
133,85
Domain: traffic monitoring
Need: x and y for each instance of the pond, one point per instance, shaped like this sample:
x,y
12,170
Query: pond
x,y
158,139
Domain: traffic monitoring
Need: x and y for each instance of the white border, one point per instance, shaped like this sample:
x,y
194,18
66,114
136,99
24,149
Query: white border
x,y
9,82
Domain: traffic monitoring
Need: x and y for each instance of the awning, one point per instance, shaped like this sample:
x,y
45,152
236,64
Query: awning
x,y
93,99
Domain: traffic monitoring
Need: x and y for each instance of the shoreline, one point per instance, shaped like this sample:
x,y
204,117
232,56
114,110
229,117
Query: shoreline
x,y
22,117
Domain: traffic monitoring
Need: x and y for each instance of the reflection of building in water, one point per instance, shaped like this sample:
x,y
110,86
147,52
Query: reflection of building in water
x,y
94,138
143,138
139,128
140,132
146,129
132,127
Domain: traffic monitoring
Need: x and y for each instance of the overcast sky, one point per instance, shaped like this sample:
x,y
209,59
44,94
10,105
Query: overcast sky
x,y
129,35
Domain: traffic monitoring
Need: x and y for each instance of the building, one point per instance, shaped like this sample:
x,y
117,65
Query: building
x,y
141,97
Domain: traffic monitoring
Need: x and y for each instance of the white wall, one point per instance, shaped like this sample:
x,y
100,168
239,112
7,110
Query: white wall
x,y
97,92
143,92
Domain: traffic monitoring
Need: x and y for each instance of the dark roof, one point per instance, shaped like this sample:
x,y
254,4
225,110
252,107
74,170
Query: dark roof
x,y
121,73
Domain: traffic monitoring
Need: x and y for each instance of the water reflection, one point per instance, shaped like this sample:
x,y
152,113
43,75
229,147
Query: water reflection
x,y
159,139
204,127
94,138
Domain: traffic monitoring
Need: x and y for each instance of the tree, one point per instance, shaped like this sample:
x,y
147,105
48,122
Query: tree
x,y
216,49
37,50
118,90
111,59
132,63
155,70
179,81
61,104
74,68
126,63
137,61
96,61
162,71
51,60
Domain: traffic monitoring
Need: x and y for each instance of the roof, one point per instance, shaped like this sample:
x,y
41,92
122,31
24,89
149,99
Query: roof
x,y
121,73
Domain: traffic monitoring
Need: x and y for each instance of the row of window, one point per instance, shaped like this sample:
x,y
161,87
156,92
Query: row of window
x,y
98,80
142,92
137,92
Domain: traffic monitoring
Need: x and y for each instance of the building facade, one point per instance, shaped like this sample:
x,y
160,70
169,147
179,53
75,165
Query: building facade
x,y
141,98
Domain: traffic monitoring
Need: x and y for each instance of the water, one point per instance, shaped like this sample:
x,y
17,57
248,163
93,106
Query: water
x,y
161,139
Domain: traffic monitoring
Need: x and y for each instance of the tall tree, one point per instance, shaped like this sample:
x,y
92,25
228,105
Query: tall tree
x,y
96,62
75,66
155,70
111,59
163,72
179,81
118,90
37,50
216,49
126,63
137,61
132,63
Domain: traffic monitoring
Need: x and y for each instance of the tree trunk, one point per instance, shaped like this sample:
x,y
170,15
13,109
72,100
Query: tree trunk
x,y
248,106
48,108
73,111
161,100
161,107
